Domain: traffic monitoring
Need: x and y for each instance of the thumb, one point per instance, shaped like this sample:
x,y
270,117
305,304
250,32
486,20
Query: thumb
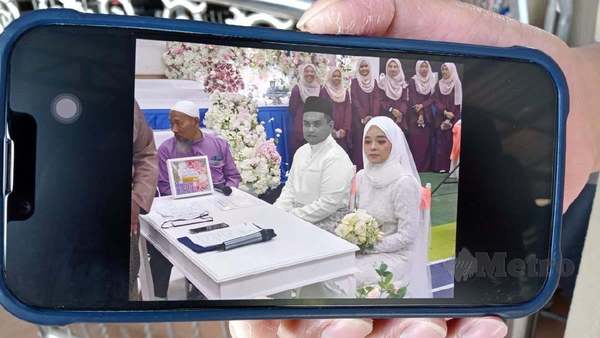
x,y
441,20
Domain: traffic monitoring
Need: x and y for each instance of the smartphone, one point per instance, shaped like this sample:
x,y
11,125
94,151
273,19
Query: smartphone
x,y
209,228
488,233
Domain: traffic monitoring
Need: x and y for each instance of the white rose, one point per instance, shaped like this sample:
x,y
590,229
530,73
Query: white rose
x,y
361,229
375,293
339,230
362,239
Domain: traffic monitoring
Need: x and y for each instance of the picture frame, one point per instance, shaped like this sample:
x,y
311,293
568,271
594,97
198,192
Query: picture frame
x,y
189,176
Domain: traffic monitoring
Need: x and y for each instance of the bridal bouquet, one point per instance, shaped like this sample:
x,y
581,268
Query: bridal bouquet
x,y
234,117
359,228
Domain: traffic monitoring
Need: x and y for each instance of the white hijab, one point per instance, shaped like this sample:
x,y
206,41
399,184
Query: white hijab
x,y
367,82
336,93
400,162
453,82
308,88
425,84
393,86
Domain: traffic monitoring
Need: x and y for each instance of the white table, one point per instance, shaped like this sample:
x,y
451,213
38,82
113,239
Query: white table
x,y
301,254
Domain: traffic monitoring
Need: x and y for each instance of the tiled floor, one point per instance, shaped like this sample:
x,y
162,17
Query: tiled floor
x,y
552,328
11,327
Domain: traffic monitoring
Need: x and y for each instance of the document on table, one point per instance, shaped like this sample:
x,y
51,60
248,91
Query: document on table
x,y
178,209
219,236
235,201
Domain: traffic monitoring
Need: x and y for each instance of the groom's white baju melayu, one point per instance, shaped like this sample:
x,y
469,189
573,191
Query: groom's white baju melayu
x,y
318,183
391,192
317,190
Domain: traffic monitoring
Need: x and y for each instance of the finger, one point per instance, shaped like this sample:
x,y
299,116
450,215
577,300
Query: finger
x,y
322,17
325,328
441,20
254,328
580,136
486,327
409,328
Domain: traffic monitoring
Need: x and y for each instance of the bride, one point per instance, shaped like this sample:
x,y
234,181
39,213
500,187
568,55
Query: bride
x,y
389,189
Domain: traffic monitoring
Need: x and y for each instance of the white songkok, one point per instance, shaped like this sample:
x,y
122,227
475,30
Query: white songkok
x,y
188,108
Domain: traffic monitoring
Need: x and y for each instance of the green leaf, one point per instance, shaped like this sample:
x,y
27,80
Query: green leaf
x,y
387,279
382,269
401,292
396,295
364,291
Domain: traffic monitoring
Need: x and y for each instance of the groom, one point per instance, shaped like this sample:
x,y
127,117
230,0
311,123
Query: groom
x,y
318,187
318,183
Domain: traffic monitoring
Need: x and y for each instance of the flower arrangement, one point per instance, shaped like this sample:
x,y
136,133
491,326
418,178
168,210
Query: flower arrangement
x,y
237,69
360,228
384,288
224,77
346,64
234,117
184,60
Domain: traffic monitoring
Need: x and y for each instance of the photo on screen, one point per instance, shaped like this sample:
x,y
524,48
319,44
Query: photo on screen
x,y
337,175
189,176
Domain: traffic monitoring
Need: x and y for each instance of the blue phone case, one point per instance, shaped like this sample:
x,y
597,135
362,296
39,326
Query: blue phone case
x,y
69,17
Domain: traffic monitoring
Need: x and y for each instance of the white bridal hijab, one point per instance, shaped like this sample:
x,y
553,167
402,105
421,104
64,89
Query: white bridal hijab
x,y
399,164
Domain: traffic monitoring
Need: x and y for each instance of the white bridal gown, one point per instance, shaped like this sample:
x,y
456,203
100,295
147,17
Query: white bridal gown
x,y
403,247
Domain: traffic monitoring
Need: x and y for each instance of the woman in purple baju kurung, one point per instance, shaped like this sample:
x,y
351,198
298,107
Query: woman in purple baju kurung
x,y
365,105
448,103
394,93
334,91
308,85
419,118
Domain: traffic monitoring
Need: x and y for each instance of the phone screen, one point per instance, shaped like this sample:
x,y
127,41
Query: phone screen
x,y
357,158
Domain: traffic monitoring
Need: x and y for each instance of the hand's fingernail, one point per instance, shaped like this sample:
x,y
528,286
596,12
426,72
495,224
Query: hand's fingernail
x,y
485,328
423,330
312,12
348,328
240,329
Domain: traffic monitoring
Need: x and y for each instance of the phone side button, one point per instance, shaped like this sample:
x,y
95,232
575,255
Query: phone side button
x,y
8,166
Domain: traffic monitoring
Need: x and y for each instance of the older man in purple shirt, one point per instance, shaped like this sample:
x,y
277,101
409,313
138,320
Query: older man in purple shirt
x,y
189,141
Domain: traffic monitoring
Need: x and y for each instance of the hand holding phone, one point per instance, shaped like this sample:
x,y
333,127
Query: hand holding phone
x,y
480,140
